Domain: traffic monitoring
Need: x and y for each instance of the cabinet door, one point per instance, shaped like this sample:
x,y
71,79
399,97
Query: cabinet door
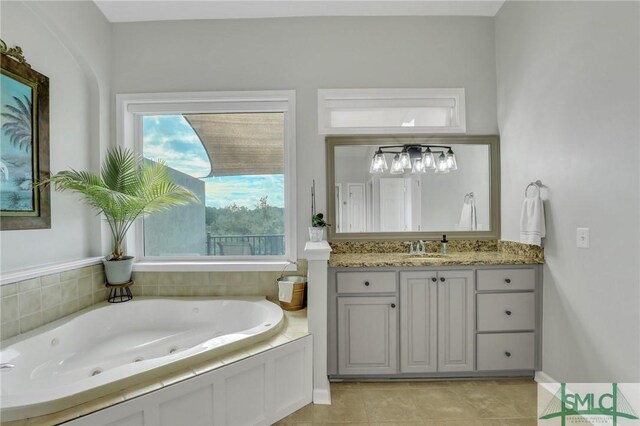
x,y
418,322
367,335
456,321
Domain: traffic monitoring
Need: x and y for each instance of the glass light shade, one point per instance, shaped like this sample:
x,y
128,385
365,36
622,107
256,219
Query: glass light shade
x,y
396,166
451,160
405,160
442,164
378,164
428,160
418,166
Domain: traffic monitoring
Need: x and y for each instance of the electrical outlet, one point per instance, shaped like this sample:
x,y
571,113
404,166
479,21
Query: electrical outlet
x,y
582,238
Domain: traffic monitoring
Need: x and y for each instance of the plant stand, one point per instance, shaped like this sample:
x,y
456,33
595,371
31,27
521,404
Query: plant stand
x,y
119,293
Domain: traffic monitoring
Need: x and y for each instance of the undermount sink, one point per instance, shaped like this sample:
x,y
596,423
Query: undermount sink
x,y
423,255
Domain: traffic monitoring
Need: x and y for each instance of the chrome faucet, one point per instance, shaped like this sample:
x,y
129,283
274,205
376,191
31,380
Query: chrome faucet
x,y
418,248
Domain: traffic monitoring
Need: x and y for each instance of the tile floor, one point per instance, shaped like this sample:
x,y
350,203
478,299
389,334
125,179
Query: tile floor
x,y
455,402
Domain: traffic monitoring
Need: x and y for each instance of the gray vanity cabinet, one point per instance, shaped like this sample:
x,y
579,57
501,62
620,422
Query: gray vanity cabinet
x,y
437,321
450,321
367,323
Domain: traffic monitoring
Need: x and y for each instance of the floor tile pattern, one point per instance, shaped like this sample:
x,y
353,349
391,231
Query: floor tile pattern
x,y
451,402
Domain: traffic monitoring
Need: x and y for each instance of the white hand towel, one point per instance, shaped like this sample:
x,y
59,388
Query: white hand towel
x,y
532,225
468,221
285,291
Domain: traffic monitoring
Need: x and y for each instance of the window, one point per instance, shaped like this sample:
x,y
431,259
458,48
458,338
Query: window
x,y
391,111
236,152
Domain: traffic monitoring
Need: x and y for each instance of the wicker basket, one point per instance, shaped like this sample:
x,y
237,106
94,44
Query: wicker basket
x,y
299,299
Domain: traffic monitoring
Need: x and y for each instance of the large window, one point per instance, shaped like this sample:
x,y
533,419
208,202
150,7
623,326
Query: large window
x,y
235,151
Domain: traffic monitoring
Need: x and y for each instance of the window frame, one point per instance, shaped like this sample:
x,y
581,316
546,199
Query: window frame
x,y
336,99
131,107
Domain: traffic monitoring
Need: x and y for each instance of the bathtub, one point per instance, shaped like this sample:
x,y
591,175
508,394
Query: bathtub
x,y
110,347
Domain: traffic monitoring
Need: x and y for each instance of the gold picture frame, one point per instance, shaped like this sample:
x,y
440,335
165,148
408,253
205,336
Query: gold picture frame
x,y
24,143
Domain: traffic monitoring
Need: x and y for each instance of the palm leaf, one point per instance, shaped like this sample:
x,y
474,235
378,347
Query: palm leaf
x,y
18,125
125,189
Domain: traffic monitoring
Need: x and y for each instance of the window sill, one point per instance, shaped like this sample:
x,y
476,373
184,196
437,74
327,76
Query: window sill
x,y
228,266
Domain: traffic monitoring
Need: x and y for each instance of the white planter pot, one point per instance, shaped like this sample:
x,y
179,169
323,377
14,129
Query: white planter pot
x,y
118,271
316,233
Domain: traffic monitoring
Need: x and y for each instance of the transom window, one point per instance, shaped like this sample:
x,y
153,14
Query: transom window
x,y
236,154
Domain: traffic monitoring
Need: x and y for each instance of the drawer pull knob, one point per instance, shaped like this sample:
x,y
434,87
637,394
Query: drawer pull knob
x,y
366,283
434,279
508,280
442,279
507,354
393,305
507,312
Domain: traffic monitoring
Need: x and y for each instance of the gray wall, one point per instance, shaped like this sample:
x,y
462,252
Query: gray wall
x,y
69,42
568,110
181,230
306,54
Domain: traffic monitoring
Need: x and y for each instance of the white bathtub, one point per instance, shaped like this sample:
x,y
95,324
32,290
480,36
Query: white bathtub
x,y
114,346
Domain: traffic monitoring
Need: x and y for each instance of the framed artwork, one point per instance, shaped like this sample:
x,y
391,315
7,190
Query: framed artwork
x,y
24,143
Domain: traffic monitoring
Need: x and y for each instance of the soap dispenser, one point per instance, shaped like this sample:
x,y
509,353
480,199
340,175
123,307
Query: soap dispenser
x,y
443,245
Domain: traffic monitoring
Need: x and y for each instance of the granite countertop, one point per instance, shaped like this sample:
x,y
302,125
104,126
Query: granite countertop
x,y
462,252
355,260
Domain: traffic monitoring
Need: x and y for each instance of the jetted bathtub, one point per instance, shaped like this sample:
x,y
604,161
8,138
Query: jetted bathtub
x,y
114,346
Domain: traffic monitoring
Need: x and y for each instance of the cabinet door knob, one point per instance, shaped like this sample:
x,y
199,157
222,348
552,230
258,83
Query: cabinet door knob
x,y
507,312
434,279
508,280
442,279
507,354
393,305
366,283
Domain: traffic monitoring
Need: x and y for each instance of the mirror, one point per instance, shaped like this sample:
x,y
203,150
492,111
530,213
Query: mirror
x,y
446,185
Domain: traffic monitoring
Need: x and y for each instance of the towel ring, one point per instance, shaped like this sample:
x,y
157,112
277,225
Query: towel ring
x,y
537,184
468,196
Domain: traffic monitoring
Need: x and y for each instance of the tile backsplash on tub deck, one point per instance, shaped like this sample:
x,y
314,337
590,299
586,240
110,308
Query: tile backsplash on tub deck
x,y
28,304
31,303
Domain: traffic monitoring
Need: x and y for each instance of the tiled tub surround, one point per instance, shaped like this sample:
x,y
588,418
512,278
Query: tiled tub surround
x,y
461,252
28,304
294,327
31,303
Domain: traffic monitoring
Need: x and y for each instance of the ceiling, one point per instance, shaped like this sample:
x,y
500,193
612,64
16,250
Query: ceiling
x,y
173,10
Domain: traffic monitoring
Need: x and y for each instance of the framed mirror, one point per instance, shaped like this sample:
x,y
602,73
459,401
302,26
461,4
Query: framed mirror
x,y
419,187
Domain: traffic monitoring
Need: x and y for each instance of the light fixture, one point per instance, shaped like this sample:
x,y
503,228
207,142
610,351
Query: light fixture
x,y
378,163
442,166
396,166
428,160
418,166
451,160
416,158
405,159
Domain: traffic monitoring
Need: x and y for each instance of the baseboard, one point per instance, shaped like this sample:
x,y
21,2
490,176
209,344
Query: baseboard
x,y
545,380
321,396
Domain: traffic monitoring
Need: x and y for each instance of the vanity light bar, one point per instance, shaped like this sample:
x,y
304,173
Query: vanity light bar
x,y
413,158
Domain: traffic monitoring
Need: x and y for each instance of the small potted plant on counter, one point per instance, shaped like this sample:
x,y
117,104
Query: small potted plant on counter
x,y
126,188
316,230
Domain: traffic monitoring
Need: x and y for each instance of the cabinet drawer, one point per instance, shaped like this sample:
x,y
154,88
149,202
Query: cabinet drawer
x,y
506,279
506,311
366,282
506,351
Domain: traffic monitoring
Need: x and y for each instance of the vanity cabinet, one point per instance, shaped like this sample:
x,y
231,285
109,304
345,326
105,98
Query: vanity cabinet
x,y
367,323
450,321
506,301
437,321
367,335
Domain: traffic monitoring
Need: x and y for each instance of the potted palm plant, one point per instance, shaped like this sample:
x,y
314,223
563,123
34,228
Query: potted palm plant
x,y
126,188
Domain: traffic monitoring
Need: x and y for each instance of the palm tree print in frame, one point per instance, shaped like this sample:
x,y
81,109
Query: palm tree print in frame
x,y
24,144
